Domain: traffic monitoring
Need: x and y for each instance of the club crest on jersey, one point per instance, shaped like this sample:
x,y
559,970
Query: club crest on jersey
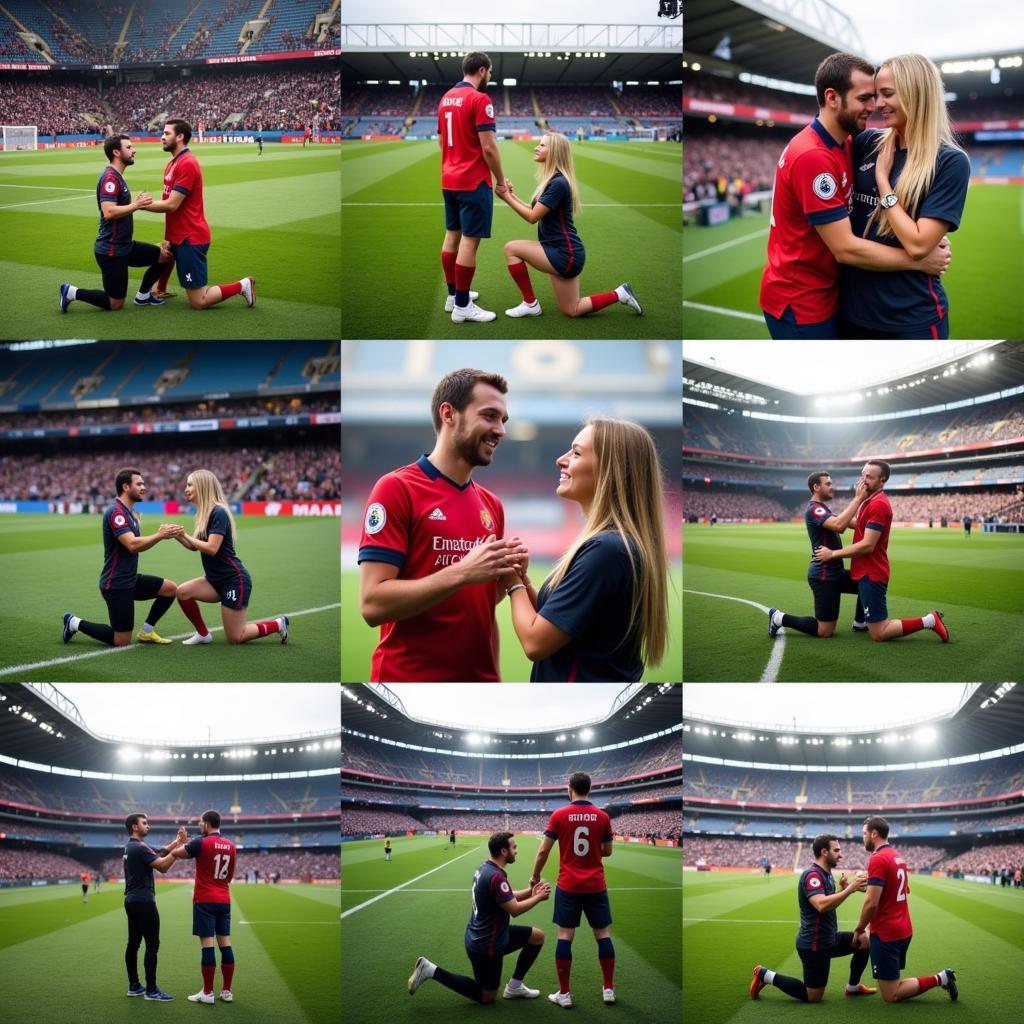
x,y
376,517
489,110
819,511
111,186
504,887
814,882
119,520
485,518
824,186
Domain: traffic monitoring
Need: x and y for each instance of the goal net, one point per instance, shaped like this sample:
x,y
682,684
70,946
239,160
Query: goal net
x,y
20,136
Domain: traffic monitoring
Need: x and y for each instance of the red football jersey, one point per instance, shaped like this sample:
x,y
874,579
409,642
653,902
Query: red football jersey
x,y
463,113
188,221
875,514
581,829
813,185
889,870
214,855
419,520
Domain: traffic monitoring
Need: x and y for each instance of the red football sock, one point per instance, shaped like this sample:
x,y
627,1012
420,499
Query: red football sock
x,y
928,982
448,266
194,615
463,277
912,625
521,275
563,967
228,971
603,299
227,290
208,972
608,970
268,627
165,276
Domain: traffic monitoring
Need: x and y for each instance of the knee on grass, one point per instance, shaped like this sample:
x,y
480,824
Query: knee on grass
x,y
116,303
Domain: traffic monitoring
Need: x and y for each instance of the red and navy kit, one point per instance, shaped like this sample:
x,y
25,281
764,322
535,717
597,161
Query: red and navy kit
x,y
581,830
421,521
115,237
214,855
224,570
817,931
188,221
813,186
488,928
138,871
463,113
120,566
886,868
814,515
874,514
556,231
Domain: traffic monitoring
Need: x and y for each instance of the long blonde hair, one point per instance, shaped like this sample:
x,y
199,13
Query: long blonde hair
x,y
559,158
628,501
208,495
920,89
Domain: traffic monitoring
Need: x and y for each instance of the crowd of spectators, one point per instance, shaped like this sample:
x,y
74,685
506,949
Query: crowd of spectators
x,y
979,505
375,822
649,101
985,859
782,853
701,85
575,101
649,824
59,107
272,866
468,821
25,864
726,167
706,502
23,831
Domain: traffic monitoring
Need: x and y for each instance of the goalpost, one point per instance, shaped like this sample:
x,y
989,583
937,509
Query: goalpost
x,y
20,136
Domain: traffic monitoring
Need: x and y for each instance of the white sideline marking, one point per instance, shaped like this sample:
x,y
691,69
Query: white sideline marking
x,y
52,188
771,670
725,312
41,202
303,923
618,888
11,669
733,920
724,245
388,892
610,206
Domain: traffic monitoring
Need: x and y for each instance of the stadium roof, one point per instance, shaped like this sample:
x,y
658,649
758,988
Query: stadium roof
x,y
637,710
992,718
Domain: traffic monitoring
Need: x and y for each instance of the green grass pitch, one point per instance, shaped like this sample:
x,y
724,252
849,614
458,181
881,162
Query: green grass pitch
x,y
275,218
56,952
51,564
359,640
393,221
733,921
381,940
977,583
722,271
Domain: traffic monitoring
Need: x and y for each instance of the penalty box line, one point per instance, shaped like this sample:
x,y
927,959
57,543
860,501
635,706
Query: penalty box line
x,y
771,670
11,669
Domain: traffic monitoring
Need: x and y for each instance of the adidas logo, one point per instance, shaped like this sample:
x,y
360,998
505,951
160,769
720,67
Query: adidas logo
x,y
438,516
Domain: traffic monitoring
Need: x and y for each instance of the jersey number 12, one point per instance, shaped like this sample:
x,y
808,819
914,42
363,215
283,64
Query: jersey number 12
x,y
221,870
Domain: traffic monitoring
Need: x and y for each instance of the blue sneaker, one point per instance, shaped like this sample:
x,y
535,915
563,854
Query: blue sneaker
x,y
136,990
772,628
158,997
64,300
69,632
151,301
629,299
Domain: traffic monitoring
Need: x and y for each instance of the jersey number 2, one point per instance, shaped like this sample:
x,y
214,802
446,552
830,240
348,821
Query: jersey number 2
x,y
901,891
221,870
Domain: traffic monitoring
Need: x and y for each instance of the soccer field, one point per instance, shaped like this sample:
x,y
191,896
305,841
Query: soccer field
x,y
722,272
733,921
273,217
732,571
359,640
393,220
62,958
418,905
51,564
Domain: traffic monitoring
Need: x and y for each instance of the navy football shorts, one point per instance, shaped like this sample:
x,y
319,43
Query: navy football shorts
x,y
114,269
938,329
234,593
209,919
787,327
888,958
191,264
487,969
121,603
469,212
567,264
872,596
569,906
827,594
817,962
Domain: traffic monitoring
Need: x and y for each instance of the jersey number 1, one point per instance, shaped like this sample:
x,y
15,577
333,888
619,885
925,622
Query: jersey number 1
x,y
221,870
448,121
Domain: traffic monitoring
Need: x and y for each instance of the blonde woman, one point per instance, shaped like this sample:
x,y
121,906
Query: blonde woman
x,y
226,580
602,614
559,250
910,186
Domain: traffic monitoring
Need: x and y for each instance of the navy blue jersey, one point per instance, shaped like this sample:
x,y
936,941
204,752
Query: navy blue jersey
x,y
814,515
223,567
487,930
908,300
817,931
115,237
120,566
138,872
592,604
556,228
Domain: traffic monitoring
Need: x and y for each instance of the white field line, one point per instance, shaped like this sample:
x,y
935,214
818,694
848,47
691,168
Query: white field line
x,y
304,923
723,311
771,670
617,888
42,202
724,245
11,669
734,920
49,188
388,892
599,206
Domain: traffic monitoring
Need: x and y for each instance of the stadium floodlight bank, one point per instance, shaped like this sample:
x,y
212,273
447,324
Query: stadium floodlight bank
x,y
20,136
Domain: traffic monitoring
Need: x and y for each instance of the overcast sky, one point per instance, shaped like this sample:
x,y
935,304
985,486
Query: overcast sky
x,y
798,366
586,12
202,712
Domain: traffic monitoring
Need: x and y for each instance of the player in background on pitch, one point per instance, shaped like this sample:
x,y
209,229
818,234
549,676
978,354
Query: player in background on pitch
x,y
387,850
887,910
84,877
827,580
584,835
819,941
869,567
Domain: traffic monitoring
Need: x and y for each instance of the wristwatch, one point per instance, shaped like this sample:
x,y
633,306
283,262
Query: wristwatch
x,y
889,201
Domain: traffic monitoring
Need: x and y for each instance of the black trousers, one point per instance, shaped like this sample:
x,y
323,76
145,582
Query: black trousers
x,y
143,923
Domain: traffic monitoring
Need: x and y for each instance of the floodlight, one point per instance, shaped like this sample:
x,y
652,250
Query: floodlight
x,y
586,734
926,734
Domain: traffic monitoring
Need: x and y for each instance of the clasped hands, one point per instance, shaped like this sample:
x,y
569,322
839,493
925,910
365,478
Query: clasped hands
x,y
540,888
504,189
171,530
182,837
142,200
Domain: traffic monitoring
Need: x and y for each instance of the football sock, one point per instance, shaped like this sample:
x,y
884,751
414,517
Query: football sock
x,y
468,987
563,963
72,292
191,609
146,628
911,625
463,279
526,957
141,294
858,612
521,276
804,623
266,628
606,956
930,981
448,266
94,296
227,290
165,274
791,986
150,276
98,631
160,605
928,621
602,299
943,978
858,962
75,622
227,965
209,968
